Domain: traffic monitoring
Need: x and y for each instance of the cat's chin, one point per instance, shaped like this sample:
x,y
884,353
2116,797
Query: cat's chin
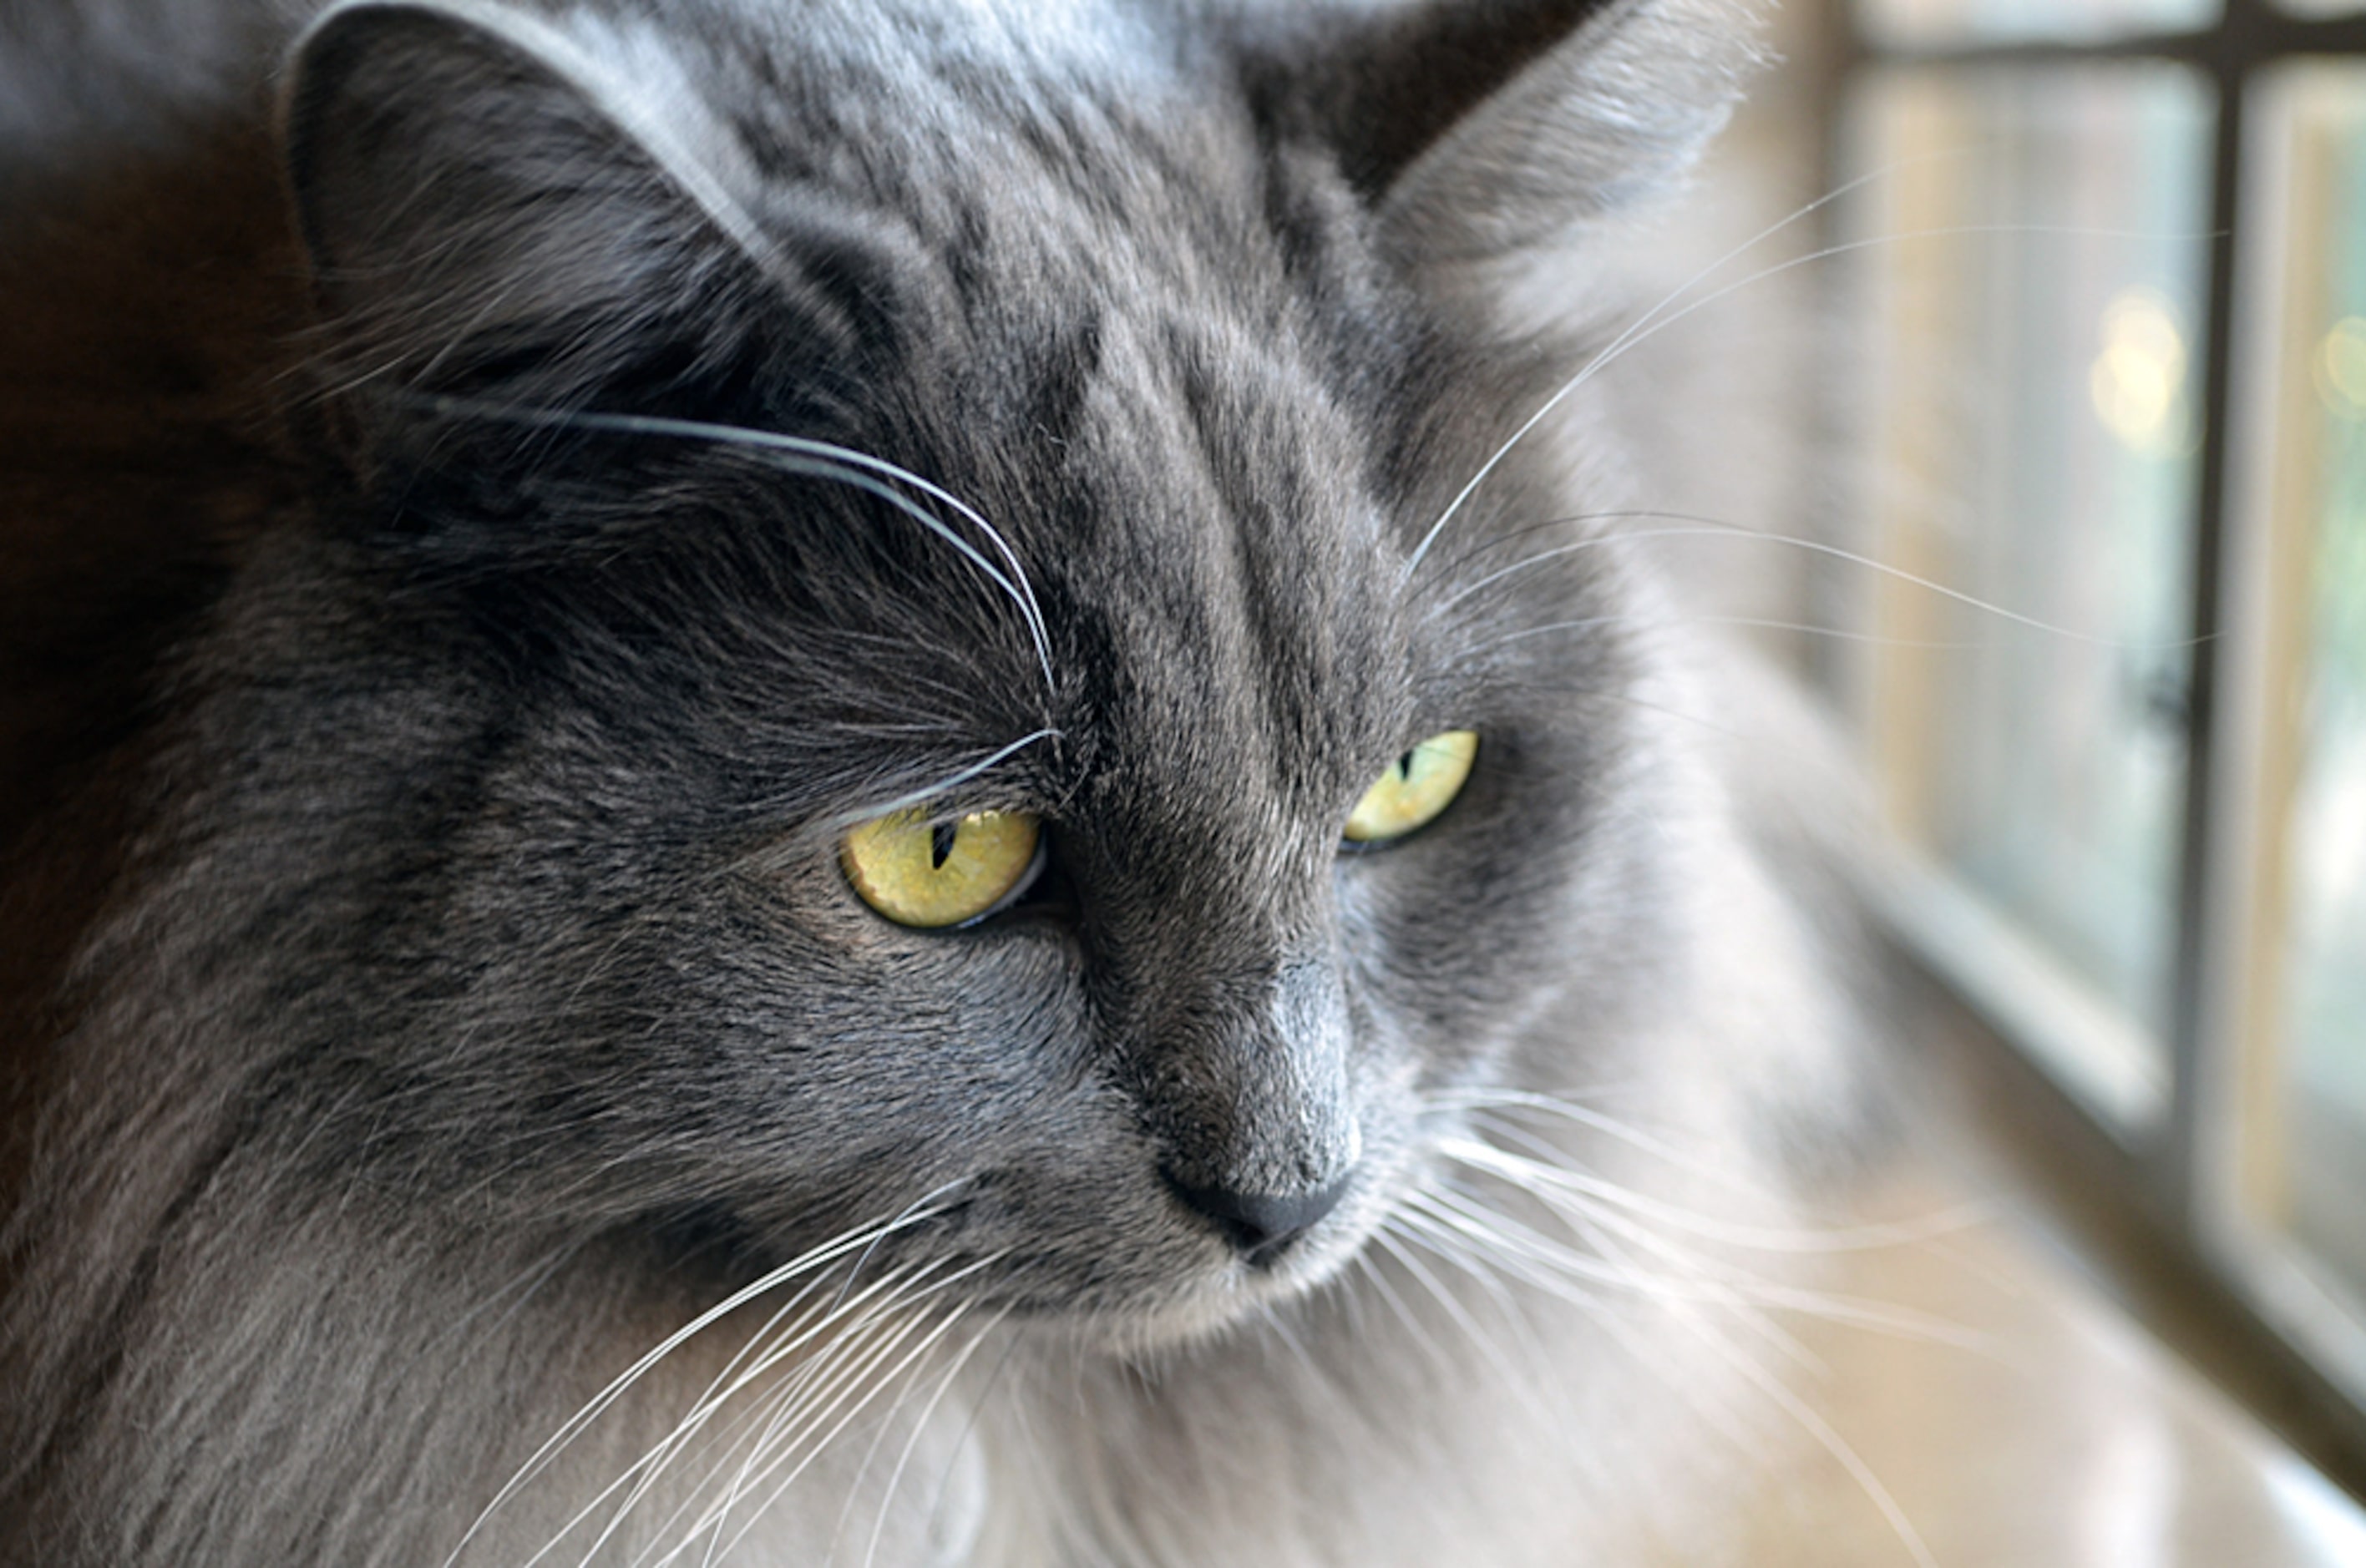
x,y
1208,1312
1213,1301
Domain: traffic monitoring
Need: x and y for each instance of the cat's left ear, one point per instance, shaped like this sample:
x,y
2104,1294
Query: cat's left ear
x,y
1479,128
496,202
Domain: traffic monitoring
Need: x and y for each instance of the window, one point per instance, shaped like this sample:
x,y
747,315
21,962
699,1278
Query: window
x,y
2112,255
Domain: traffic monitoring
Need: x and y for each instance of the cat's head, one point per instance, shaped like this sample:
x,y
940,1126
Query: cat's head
x,y
741,424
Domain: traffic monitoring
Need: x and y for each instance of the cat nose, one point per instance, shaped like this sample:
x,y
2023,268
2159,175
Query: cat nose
x,y
1260,1226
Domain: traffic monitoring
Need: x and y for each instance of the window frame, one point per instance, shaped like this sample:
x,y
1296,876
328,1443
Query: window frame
x,y
2178,1151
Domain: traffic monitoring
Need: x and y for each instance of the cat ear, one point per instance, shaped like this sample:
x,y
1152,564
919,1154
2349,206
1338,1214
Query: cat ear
x,y
1483,127
480,192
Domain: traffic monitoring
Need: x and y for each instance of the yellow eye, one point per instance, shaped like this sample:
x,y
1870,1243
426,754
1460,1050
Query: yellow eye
x,y
919,872
1419,785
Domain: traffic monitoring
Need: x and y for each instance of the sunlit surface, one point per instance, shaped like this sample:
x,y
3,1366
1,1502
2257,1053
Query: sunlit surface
x,y
2138,381
2338,369
2039,1429
2001,21
2034,253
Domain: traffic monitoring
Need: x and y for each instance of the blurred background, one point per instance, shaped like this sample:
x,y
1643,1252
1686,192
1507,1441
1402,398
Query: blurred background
x,y
2083,285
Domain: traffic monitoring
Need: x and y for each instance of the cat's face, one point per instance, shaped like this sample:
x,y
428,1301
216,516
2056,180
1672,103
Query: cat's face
x,y
1198,406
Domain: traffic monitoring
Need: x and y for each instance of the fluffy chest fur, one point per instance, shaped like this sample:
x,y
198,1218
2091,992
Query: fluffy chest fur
x,y
469,1113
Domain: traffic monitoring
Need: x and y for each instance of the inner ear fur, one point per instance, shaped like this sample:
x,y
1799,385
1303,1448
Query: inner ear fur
x,y
474,199
1481,128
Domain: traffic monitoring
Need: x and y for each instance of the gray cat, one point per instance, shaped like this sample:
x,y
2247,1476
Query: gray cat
x,y
798,782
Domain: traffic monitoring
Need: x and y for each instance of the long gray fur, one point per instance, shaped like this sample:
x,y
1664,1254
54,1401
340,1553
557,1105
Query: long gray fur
x,y
473,995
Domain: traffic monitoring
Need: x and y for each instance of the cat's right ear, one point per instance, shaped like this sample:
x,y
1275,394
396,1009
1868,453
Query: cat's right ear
x,y
501,207
1478,129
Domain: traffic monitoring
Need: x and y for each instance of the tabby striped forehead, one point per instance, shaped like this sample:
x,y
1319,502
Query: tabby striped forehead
x,y
1085,397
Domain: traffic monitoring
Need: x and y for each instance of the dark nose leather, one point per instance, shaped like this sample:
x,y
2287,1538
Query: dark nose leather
x,y
1260,1226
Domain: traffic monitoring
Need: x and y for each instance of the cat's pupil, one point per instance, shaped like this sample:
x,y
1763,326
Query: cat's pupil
x,y
1404,766
941,843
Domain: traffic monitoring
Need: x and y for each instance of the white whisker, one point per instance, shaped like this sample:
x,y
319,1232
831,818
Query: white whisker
x,y
1561,1108
575,1424
1275,1320
951,781
1414,1325
642,1473
823,1381
822,1388
813,459
819,1378
1528,1172
852,1317
1660,317
919,1425
1599,1207
1693,1281
1640,324
1551,1268
1711,528
1828,1437
977,1409
928,1342
717,1393
1454,1307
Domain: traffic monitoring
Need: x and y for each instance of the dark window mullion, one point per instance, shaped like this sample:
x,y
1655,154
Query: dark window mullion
x,y
2251,31
2248,34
